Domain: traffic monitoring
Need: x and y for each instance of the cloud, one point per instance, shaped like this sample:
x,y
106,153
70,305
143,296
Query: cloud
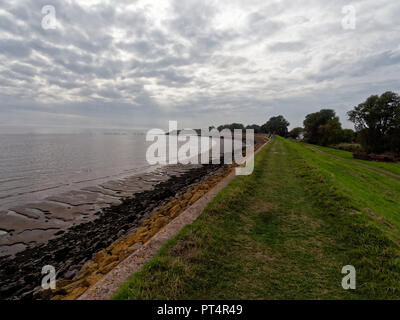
x,y
140,63
13,48
287,46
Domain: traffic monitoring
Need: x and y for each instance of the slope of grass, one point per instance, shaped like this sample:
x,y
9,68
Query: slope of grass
x,y
285,232
390,167
374,192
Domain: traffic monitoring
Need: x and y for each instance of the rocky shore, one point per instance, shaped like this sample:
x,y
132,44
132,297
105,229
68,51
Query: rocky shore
x,y
73,250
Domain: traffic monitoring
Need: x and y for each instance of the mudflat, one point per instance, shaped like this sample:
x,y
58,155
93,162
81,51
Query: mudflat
x,y
71,227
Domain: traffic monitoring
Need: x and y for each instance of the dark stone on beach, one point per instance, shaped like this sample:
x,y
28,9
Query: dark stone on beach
x,y
70,274
10,269
27,295
29,278
61,254
10,287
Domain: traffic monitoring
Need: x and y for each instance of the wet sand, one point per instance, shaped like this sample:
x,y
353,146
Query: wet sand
x,y
37,222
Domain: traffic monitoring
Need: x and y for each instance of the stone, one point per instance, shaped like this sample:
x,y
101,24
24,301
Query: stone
x,y
136,246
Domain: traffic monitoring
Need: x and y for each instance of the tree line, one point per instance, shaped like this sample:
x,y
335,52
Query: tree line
x,y
275,124
376,122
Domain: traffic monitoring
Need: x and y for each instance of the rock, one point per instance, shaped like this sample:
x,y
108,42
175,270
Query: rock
x,y
195,197
107,268
99,256
75,294
158,224
70,274
108,260
136,246
175,210
61,254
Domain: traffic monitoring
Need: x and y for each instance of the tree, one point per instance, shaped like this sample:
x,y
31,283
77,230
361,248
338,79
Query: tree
x,y
296,132
278,124
313,121
231,126
330,133
256,128
348,136
377,121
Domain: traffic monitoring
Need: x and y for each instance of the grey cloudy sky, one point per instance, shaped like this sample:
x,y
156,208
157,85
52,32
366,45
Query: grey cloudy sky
x,y
123,64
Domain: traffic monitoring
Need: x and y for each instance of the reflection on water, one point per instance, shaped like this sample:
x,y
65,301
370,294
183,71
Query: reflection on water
x,y
35,166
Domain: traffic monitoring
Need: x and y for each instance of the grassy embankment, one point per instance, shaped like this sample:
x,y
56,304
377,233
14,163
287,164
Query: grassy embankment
x,y
285,232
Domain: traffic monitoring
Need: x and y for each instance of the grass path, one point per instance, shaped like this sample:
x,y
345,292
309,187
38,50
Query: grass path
x,y
285,232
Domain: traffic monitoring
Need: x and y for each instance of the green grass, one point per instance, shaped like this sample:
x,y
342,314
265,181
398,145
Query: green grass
x,y
285,232
390,167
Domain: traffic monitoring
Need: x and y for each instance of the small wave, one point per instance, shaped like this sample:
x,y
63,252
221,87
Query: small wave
x,y
15,188
89,180
12,179
31,191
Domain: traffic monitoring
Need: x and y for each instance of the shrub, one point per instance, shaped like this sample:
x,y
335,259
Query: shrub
x,y
351,147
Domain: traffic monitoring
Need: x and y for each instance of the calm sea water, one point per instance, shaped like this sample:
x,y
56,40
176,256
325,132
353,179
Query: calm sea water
x,y
38,165
35,166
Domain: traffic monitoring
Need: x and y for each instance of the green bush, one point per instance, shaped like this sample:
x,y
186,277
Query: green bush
x,y
351,147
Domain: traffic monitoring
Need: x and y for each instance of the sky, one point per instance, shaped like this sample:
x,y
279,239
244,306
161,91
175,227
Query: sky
x,y
137,64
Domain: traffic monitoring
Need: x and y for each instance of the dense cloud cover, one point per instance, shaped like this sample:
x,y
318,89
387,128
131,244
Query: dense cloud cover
x,y
125,63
